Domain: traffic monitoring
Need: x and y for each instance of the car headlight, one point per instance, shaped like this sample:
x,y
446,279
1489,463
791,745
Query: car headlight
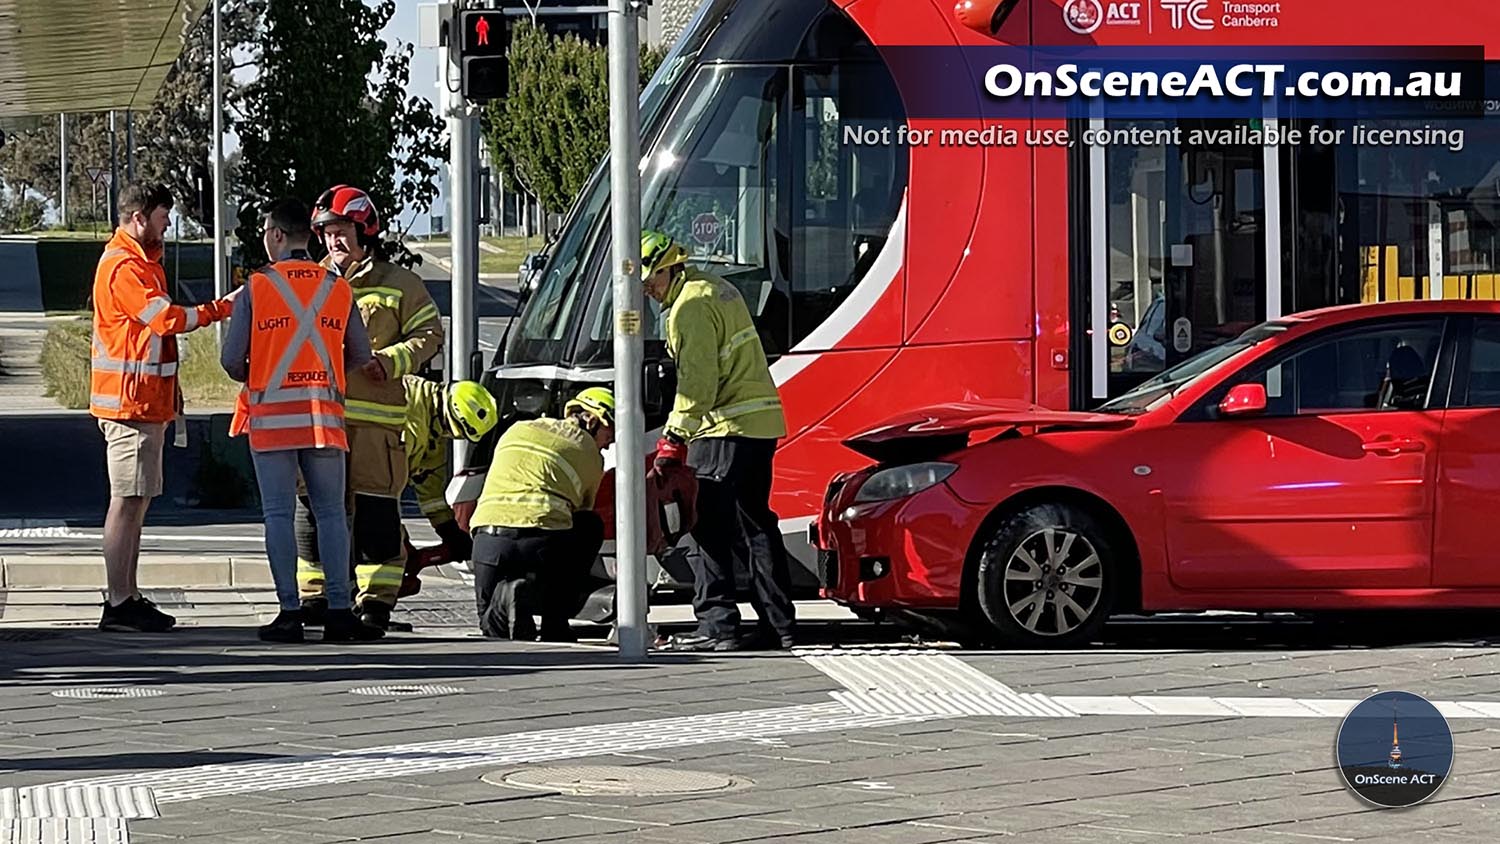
x,y
901,481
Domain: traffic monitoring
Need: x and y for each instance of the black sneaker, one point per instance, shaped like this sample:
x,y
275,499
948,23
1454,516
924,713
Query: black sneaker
x,y
700,642
135,615
344,626
286,628
313,610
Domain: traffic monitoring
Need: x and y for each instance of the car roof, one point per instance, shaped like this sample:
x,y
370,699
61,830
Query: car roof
x,y
1418,307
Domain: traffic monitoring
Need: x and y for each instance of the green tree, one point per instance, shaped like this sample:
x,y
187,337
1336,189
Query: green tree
x,y
330,107
552,129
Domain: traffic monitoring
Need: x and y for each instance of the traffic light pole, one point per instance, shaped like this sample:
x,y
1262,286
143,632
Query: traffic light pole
x,y
630,424
221,253
463,325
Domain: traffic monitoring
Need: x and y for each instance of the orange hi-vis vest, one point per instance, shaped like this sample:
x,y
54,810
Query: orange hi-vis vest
x,y
133,367
294,397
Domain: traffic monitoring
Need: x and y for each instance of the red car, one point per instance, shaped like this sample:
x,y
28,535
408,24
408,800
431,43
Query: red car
x,y
1346,458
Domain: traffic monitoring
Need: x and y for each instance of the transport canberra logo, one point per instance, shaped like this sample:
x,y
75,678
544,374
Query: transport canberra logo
x,y
1394,749
1086,16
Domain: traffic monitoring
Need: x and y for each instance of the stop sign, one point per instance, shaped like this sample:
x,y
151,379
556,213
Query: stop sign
x,y
707,229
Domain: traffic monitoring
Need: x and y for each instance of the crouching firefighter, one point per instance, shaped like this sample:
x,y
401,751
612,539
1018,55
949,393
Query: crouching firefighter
x,y
536,534
405,333
434,415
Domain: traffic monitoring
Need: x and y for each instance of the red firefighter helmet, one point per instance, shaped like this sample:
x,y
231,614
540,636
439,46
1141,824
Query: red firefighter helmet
x,y
342,202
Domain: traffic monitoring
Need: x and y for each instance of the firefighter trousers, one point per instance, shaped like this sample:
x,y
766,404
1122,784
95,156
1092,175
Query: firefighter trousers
x,y
523,572
379,554
736,522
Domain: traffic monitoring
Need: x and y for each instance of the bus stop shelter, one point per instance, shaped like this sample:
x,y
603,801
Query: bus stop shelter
x,y
87,55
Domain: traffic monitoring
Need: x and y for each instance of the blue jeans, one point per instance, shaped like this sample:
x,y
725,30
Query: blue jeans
x,y
323,471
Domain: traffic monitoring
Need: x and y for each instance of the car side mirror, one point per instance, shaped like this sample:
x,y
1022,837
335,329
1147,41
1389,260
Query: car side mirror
x,y
1244,399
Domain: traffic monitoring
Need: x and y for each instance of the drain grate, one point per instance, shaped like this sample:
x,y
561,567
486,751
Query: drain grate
x,y
617,779
108,693
420,690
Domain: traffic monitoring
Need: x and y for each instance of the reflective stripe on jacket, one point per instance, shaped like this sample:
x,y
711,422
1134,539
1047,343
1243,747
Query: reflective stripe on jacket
x,y
405,333
426,439
295,393
543,471
133,362
724,386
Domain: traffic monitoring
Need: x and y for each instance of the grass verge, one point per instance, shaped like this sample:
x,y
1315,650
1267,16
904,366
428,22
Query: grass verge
x,y
65,367
513,250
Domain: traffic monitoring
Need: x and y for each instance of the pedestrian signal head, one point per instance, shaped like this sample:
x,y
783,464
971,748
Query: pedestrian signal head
x,y
353,205
597,402
472,411
658,251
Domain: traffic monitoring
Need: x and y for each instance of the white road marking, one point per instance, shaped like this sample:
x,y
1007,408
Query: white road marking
x,y
64,831
939,685
406,760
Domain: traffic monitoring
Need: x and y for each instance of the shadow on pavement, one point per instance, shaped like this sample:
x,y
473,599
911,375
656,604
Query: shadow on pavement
x,y
133,761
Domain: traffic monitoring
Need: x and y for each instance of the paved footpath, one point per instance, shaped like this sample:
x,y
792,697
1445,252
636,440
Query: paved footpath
x,y
1211,731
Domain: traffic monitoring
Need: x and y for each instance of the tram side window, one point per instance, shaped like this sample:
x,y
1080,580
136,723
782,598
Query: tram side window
x,y
847,195
1387,205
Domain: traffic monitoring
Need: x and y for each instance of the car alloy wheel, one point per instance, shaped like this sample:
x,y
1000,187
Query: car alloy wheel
x,y
1046,576
1053,582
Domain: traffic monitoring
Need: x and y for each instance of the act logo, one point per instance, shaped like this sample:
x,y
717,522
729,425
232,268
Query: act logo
x,y
1083,16
1184,13
1394,749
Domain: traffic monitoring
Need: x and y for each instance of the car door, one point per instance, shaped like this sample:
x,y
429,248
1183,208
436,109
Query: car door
x,y
1468,486
1331,485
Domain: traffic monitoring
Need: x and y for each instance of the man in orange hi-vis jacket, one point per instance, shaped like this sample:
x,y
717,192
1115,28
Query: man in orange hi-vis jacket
x,y
133,389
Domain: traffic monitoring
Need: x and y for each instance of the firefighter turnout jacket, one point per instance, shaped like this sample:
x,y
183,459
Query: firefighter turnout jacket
x,y
724,386
133,366
543,471
294,396
426,440
405,333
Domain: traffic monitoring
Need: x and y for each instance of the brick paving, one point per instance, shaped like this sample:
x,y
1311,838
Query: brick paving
x,y
240,716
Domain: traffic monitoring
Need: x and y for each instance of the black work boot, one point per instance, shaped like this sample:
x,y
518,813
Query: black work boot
x,y
345,626
287,627
375,614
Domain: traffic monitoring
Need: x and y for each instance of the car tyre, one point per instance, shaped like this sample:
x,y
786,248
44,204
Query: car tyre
x,y
1047,576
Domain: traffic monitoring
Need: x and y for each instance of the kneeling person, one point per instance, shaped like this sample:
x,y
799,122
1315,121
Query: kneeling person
x,y
535,519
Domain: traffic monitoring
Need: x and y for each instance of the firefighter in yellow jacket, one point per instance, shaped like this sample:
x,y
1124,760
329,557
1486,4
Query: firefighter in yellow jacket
x,y
436,414
405,333
535,519
725,421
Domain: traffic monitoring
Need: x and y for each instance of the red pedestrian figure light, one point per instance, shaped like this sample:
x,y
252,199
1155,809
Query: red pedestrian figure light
x,y
482,28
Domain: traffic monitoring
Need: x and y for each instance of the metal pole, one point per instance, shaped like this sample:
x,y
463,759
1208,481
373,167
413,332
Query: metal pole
x,y
129,146
113,193
463,177
62,190
630,427
221,257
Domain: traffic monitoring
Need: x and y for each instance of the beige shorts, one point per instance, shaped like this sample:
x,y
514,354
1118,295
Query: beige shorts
x,y
132,451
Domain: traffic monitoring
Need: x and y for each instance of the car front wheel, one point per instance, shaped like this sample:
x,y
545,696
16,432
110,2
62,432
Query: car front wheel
x,y
1047,576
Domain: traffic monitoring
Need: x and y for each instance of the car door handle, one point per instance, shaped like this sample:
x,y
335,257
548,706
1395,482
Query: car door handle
x,y
1395,445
